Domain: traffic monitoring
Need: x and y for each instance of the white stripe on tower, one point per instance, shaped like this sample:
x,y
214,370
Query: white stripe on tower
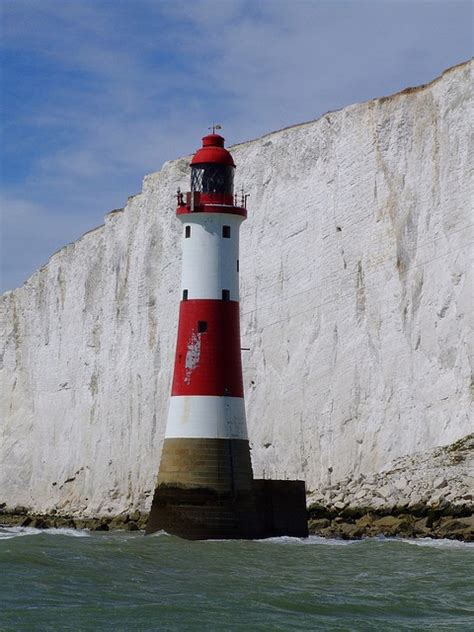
x,y
210,261
207,417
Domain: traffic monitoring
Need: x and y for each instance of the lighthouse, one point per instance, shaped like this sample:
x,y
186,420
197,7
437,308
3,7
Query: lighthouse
x,y
205,486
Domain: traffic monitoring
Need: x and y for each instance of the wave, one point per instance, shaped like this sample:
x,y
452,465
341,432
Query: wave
x,y
317,540
285,539
312,539
7,533
441,543
157,534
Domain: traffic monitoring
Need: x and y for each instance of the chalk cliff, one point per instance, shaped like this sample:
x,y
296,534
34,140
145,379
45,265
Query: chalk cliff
x,y
355,307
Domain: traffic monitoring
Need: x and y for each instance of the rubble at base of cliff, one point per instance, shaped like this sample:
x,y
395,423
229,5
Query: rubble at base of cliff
x,y
450,522
22,517
429,494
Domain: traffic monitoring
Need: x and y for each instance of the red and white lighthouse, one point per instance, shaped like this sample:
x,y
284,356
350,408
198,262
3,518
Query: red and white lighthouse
x,y
207,397
205,486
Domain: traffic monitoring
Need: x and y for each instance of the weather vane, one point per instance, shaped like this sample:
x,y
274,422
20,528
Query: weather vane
x,y
214,127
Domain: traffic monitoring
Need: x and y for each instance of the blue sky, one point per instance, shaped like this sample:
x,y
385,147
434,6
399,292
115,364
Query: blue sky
x,y
95,94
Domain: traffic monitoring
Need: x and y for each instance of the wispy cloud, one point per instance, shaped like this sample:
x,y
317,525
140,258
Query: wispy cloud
x,y
98,93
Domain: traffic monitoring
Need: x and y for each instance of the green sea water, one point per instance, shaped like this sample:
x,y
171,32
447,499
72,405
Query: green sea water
x,y
76,580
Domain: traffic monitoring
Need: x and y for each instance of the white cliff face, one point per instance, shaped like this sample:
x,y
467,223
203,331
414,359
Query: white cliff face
x,y
355,303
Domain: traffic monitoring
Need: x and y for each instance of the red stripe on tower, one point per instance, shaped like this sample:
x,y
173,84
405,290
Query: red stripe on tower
x,y
208,358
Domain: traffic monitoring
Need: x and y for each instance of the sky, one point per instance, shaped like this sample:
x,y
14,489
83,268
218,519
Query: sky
x,y
95,94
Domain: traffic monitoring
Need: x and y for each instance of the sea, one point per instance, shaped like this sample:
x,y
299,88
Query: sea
x,y
61,579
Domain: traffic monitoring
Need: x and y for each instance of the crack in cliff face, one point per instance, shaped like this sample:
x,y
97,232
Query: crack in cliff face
x,y
93,384
360,293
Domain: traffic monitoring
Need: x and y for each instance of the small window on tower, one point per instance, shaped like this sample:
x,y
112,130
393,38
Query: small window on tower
x,y
187,232
237,265
226,295
226,232
185,295
202,326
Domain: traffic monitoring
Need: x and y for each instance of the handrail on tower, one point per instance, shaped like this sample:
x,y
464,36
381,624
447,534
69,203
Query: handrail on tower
x,y
243,198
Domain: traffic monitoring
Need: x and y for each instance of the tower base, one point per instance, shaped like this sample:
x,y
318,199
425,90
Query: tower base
x,y
282,508
272,508
206,490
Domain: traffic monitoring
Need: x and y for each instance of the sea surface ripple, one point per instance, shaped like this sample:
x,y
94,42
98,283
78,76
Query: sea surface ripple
x,y
62,579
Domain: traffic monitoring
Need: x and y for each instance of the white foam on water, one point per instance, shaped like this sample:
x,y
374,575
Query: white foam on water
x,y
72,533
158,534
7,533
283,539
292,541
442,543
319,540
312,539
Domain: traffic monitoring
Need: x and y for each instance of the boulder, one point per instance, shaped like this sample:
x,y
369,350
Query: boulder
x,y
458,528
315,526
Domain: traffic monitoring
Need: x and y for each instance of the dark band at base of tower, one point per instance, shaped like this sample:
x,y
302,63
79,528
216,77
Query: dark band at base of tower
x,y
206,489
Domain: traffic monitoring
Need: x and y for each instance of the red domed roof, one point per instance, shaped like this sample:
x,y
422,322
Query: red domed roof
x,y
213,150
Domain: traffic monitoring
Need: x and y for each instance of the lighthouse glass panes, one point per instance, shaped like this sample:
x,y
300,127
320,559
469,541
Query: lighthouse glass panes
x,y
212,178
